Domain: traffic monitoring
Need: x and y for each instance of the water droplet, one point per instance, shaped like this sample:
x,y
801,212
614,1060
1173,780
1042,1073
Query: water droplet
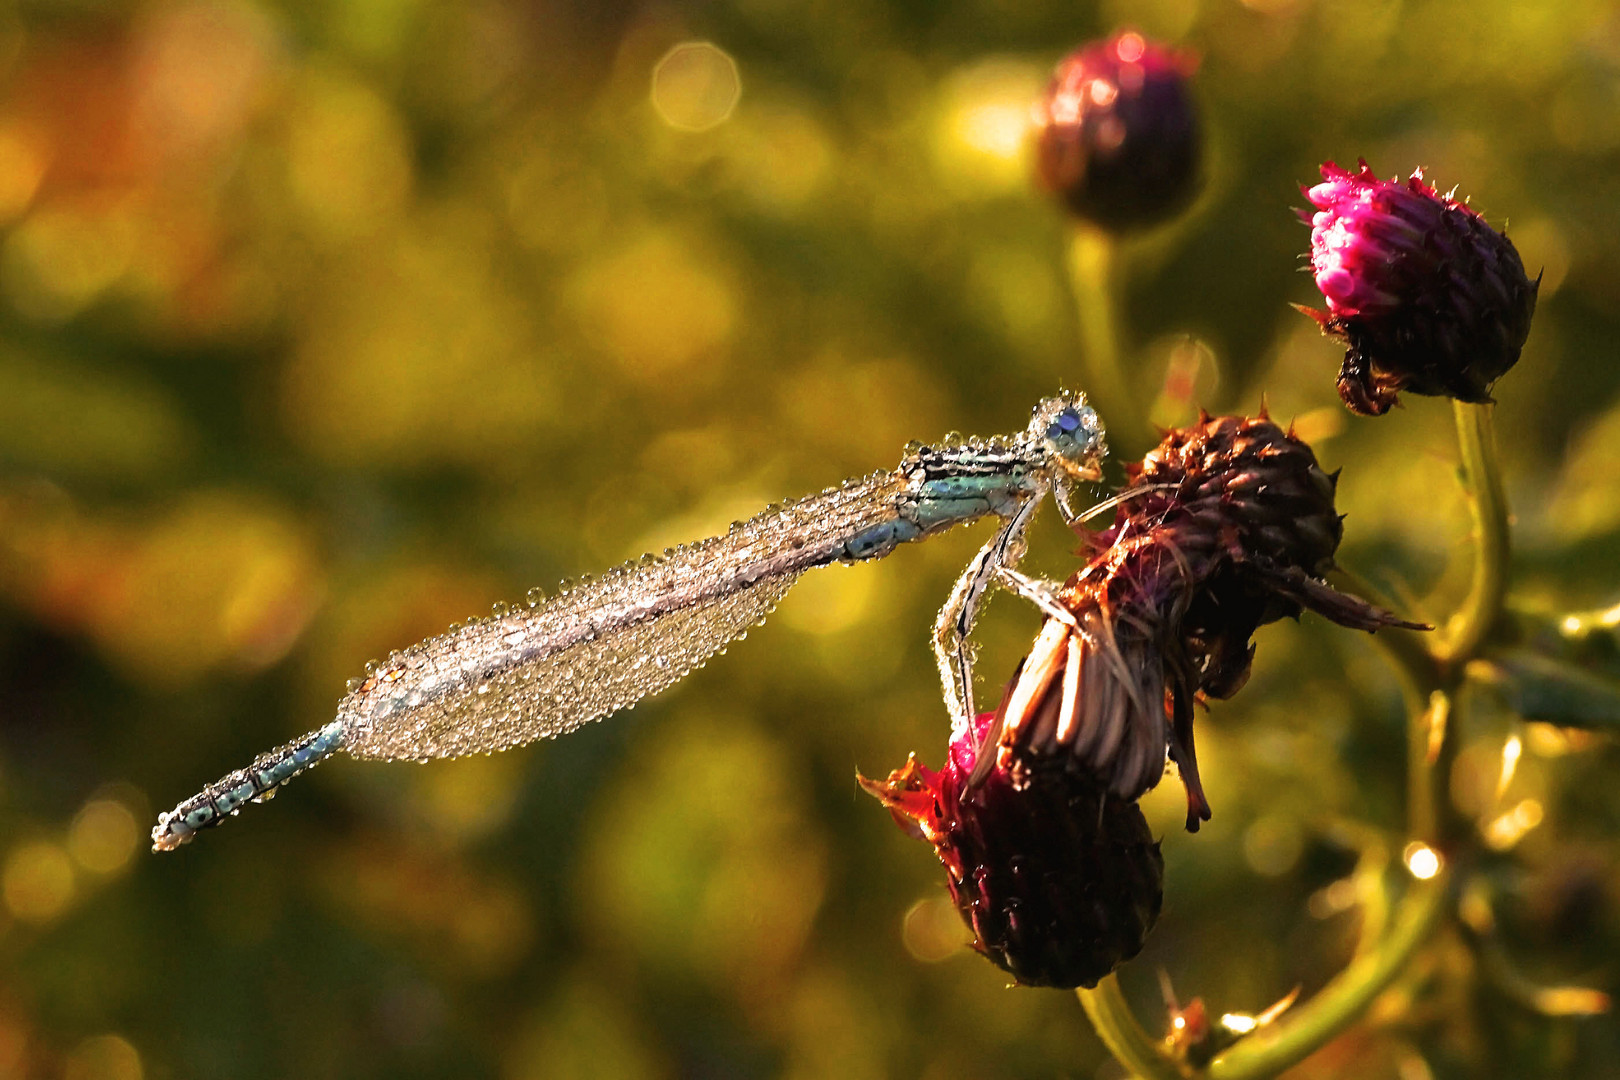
x,y
352,685
372,667
535,596
500,609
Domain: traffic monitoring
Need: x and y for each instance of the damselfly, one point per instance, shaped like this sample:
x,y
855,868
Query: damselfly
x,y
603,644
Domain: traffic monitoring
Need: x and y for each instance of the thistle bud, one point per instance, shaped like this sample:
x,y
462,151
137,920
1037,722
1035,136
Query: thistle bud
x,y
1059,882
1426,295
1117,134
1227,525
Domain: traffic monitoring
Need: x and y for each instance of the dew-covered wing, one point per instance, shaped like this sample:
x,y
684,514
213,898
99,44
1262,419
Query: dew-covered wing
x,y
603,644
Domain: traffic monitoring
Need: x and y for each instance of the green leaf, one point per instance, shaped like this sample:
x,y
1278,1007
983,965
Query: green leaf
x,y
1553,691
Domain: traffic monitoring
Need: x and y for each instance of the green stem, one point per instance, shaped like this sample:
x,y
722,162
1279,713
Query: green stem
x,y
1117,1027
1482,479
1338,1004
1094,276
1428,670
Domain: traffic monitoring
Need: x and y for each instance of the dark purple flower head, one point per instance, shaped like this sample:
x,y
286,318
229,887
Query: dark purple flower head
x,y
1230,526
1059,882
1117,134
1426,295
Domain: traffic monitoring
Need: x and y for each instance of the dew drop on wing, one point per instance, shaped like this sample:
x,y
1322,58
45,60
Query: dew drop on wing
x,y
604,643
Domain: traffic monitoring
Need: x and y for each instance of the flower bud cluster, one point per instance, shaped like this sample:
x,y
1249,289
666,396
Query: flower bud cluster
x,y
1227,525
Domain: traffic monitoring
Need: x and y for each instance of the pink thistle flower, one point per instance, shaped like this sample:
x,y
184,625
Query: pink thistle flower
x,y
1117,134
1059,882
1427,296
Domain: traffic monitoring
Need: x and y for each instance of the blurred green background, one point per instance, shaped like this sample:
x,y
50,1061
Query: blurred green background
x,y
325,325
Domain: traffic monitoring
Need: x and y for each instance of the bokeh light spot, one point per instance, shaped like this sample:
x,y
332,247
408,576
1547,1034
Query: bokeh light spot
x,y
695,86
778,155
1272,845
1422,860
348,158
472,796
103,836
37,881
1506,830
1512,750
60,260
985,120
832,602
103,1057
22,166
1319,425
932,930
656,307
221,579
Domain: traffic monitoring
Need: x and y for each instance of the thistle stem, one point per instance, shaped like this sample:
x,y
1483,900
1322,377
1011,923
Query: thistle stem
x,y
1338,1004
1118,1028
1093,277
1482,479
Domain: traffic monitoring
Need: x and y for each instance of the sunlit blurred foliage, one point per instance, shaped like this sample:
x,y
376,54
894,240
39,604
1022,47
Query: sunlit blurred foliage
x,y
324,326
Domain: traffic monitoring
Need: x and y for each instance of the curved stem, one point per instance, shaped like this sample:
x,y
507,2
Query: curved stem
x,y
1303,1030
1482,479
1428,671
1093,277
1338,1004
1117,1027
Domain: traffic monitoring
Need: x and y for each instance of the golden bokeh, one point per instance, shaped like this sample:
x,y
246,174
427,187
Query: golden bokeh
x,y
104,836
325,326
37,881
104,1057
695,86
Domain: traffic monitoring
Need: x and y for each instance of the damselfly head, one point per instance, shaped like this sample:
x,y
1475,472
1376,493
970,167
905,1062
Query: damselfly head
x,y
1071,433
